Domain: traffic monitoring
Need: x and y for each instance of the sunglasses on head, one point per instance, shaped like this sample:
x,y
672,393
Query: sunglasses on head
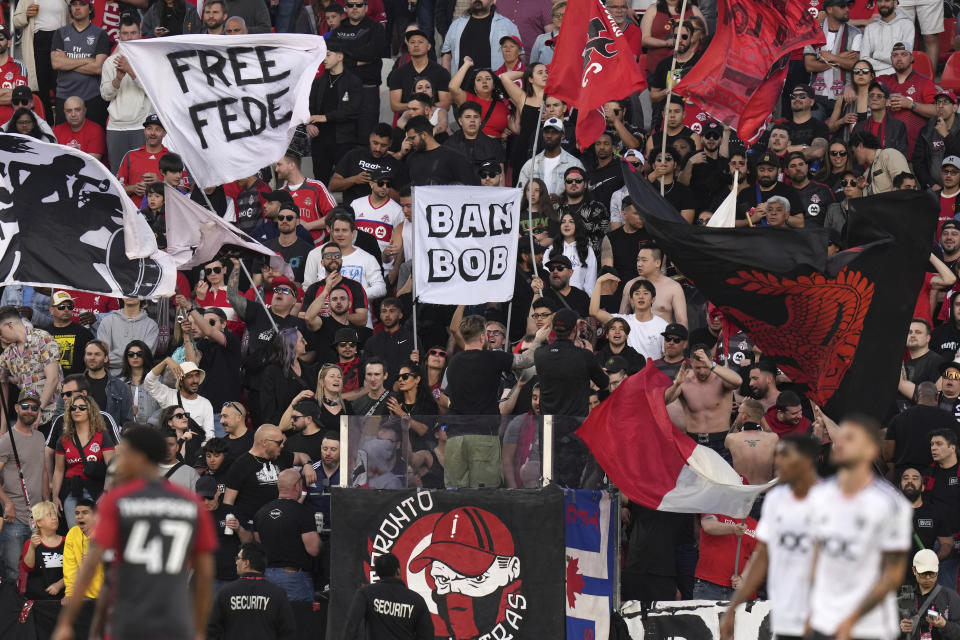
x,y
406,376
437,352
65,306
574,180
838,154
29,406
209,270
676,339
134,354
289,218
848,182
951,374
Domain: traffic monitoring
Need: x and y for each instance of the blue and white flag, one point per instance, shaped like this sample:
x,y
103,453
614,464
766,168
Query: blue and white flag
x,y
591,523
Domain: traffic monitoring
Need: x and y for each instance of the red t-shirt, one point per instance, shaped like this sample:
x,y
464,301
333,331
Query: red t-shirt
x,y
140,161
13,73
717,553
106,15
93,302
92,450
497,121
90,139
921,89
315,202
218,299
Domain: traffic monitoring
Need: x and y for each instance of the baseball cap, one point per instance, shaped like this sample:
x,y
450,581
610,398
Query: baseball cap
x,y
553,123
5,31
20,93
207,486
290,206
836,3
952,364
217,311
489,166
467,540
615,364
415,32
345,335
279,195
29,394
284,281
60,297
950,224
676,329
880,87
576,170
712,129
769,158
807,89
152,119
515,38
949,95
559,259
926,561
565,320
309,407
897,46
335,45
952,161
633,153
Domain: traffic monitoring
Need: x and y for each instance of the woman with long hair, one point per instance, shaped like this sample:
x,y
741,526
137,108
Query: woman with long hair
x,y
486,90
433,370
572,242
41,562
286,375
836,215
537,204
847,114
839,161
25,123
153,209
660,27
526,101
414,404
81,455
137,363
329,397
189,435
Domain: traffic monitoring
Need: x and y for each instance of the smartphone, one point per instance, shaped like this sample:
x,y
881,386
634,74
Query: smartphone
x,y
932,613
160,31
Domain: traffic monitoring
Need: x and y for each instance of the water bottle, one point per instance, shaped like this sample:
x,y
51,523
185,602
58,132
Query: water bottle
x,y
227,531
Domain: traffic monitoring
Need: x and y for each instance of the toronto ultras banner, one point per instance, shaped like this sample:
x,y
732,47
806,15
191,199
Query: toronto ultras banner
x,y
833,323
65,221
488,563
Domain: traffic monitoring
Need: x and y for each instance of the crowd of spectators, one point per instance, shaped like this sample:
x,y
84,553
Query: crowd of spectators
x,y
251,396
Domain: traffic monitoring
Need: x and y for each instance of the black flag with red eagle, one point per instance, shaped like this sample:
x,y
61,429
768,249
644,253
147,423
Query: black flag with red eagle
x,y
835,324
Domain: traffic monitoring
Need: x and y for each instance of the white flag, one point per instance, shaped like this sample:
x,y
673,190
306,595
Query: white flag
x,y
195,234
726,214
230,104
466,243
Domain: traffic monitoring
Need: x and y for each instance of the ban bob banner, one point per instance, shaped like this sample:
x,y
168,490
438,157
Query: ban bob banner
x,y
465,247
230,103
488,563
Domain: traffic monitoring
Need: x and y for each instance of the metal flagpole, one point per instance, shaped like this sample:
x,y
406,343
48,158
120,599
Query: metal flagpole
x,y
666,104
506,331
413,270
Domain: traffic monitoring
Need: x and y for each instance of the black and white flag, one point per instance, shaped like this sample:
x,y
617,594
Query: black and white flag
x,y
65,221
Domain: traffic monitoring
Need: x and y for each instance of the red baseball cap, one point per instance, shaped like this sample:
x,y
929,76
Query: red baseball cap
x,y
515,38
467,540
284,281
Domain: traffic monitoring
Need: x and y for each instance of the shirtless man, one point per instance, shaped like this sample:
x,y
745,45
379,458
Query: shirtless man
x,y
671,304
763,384
706,395
750,445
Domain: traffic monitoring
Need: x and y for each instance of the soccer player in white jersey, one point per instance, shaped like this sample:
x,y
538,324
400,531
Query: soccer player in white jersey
x,y
862,525
784,553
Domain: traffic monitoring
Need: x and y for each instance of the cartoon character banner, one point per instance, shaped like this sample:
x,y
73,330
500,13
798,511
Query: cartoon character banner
x,y
488,563
65,221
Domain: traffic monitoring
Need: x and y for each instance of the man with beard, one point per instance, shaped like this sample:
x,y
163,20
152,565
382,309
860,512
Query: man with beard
x,y
472,571
705,397
685,57
946,337
938,144
428,162
617,331
111,393
703,171
288,244
807,134
252,479
346,344
606,176
301,423
949,208
387,609
831,63
357,168
929,526
552,163
142,166
336,104
14,73
31,464
395,342
940,478
911,94
861,549
560,291
335,303
477,35
311,196
619,248
189,378
214,17
331,259
879,36
71,337
674,345
786,415
671,302
814,197
923,364
769,185
763,383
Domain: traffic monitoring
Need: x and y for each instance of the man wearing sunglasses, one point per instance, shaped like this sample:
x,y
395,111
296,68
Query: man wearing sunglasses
x,y
381,216
686,56
288,244
891,132
71,337
356,263
187,393
577,202
807,134
331,259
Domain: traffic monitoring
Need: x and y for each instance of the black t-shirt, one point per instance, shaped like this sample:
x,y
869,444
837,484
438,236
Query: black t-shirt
x,y
48,569
909,430
295,255
225,557
577,299
946,340
440,166
473,382
806,132
363,404
280,524
255,481
72,340
300,442
681,197
814,200
604,181
262,332
784,191
404,78
565,373
625,248
222,366
321,340
926,368
98,389
943,491
659,79
236,447
358,160
708,178
929,525
475,42
358,297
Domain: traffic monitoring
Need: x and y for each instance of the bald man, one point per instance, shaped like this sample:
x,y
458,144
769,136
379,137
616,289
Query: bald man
x,y
750,445
288,532
78,132
235,26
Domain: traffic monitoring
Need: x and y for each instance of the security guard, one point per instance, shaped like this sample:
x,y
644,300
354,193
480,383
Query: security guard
x,y
388,609
251,607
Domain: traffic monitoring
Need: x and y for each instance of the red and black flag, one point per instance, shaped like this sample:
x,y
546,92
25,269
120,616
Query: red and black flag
x,y
592,65
834,324
740,76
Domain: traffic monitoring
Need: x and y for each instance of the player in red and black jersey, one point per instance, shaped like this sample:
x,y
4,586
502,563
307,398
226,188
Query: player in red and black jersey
x,y
153,533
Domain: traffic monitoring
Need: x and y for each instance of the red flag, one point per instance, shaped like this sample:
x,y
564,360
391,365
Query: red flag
x,y
592,64
740,76
654,463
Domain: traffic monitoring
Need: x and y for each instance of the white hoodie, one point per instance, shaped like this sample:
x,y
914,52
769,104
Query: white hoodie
x,y
879,38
